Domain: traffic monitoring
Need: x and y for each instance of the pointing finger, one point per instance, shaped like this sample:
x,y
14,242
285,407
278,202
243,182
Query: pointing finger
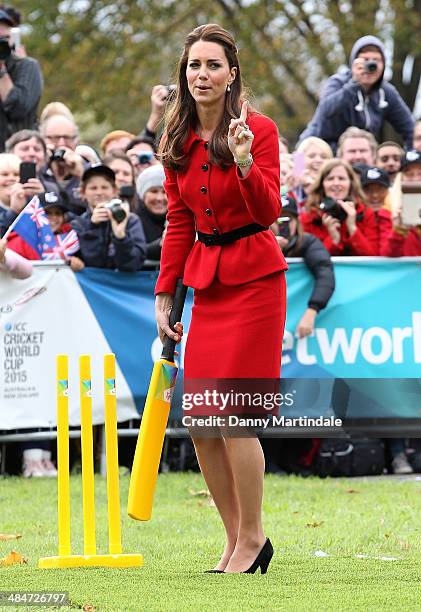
x,y
243,115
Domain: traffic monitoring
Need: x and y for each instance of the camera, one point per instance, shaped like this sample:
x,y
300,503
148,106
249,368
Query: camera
x,y
332,208
58,155
5,48
127,192
145,157
171,89
370,65
117,210
283,227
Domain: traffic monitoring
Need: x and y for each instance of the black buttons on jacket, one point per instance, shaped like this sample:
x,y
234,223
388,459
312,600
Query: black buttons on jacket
x,y
215,231
208,212
206,145
205,167
203,189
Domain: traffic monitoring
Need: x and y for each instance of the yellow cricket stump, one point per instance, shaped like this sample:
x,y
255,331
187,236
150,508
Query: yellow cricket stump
x,y
65,559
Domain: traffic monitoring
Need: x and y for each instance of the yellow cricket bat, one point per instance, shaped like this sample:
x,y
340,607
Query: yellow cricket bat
x,y
154,421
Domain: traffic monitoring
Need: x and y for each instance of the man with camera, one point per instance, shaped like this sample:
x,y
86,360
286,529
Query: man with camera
x,y
20,82
359,96
64,167
141,151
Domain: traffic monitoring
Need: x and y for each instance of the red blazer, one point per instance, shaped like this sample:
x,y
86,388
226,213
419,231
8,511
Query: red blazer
x,y
384,226
363,242
398,245
209,199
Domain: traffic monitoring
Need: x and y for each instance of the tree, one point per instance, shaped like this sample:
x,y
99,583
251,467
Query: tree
x,y
102,57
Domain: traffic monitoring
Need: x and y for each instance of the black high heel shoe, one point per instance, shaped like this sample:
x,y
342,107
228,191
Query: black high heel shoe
x,y
214,571
262,560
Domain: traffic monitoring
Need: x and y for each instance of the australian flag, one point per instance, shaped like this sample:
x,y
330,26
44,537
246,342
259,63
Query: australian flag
x,y
33,227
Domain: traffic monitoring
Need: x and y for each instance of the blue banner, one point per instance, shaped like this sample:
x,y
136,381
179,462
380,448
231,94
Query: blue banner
x,y
370,331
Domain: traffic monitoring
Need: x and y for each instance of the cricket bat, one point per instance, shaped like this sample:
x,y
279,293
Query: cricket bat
x,y
154,421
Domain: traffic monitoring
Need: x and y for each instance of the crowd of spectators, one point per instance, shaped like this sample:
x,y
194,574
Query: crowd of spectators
x,y
343,190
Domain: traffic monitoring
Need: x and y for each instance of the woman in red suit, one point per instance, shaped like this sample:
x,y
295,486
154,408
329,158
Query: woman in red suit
x,y
222,180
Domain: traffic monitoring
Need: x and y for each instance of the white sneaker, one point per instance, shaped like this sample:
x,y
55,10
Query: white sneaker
x,y
32,463
400,465
48,466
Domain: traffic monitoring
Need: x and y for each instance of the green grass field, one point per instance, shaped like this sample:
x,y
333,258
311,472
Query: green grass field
x,y
343,518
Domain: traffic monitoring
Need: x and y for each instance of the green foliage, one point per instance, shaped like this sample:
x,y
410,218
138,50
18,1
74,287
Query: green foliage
x,y
102,57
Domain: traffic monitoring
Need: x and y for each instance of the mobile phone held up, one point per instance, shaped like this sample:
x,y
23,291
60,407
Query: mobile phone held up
x,y
27,170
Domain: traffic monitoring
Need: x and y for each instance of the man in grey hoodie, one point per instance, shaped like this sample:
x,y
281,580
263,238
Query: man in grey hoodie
x,y
359,96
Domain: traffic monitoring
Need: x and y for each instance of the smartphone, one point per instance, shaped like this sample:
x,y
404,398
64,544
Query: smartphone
x,y
27,171
411,203
283,227
15,38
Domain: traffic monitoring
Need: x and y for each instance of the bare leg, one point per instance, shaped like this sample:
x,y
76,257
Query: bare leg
x,y
216,469
248,466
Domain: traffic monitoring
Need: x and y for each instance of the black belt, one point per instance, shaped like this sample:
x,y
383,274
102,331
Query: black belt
x,y
230,237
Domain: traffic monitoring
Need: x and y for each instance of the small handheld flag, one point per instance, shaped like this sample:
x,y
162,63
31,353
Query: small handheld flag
x,y
33,227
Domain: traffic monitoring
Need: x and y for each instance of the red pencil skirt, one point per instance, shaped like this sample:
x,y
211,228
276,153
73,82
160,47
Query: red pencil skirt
x,y
236,332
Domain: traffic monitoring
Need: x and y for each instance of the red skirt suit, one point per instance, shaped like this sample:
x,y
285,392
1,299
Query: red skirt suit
x,y
239,299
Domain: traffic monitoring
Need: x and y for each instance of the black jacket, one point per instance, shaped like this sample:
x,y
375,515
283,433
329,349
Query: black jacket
x,y
19,110
7,217
99,248
318,261
153,226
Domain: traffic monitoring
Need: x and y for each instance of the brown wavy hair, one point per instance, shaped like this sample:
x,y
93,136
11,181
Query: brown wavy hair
x,y
181,116
316,191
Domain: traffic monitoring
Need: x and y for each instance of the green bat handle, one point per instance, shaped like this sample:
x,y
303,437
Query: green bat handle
x,y
175,316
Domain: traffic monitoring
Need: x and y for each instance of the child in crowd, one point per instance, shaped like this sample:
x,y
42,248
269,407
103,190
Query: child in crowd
x,y
109,235
375,183
66,243
404,240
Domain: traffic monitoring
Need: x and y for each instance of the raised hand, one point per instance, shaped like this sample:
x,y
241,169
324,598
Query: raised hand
x,y
240,137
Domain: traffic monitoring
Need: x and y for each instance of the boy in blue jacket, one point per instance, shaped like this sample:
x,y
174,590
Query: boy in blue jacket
x,y
108,238
360,97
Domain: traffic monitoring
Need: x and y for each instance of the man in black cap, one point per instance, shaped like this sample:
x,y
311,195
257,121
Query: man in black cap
x,y
20,82
411,167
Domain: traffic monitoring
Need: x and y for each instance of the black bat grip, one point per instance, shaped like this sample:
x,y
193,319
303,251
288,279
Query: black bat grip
x,y
175,317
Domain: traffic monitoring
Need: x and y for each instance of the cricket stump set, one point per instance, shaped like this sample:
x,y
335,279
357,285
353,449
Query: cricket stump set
x,y
90,558
145,463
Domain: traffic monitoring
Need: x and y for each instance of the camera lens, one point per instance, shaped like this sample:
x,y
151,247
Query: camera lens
x,y
145,158
58,155
5,49
370,65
